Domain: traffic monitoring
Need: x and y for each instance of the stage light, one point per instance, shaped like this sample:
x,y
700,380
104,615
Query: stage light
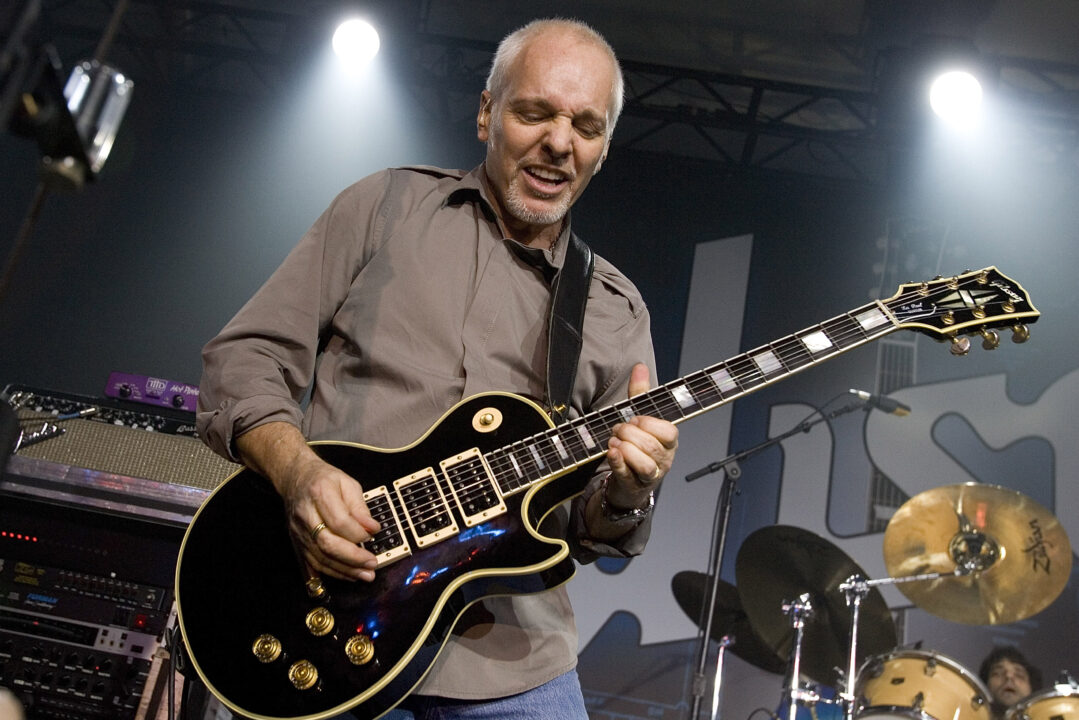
x,y
356,42
956,97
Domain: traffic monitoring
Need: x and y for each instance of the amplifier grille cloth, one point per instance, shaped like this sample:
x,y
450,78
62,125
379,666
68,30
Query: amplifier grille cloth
x,y
121,450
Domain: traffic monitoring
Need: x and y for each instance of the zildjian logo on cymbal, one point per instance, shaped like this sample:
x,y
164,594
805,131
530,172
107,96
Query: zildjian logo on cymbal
x,y
1038,554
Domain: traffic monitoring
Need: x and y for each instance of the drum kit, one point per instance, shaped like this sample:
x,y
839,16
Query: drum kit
x,y
970,553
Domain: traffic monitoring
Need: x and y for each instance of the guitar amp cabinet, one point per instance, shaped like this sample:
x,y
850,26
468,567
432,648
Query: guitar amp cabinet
x,y
111,454
92,514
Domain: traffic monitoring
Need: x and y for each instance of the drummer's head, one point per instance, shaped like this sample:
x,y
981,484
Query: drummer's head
x,y
1008,675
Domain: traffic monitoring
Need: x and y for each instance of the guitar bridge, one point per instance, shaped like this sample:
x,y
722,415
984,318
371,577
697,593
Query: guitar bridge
x,y
473,487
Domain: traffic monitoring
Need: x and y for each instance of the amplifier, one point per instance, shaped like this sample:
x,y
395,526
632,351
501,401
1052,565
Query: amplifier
x,y
93,507
111,454
85,600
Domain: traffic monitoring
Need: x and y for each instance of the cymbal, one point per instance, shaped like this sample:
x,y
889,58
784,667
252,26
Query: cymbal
x,y
777,564
728,618
1018,553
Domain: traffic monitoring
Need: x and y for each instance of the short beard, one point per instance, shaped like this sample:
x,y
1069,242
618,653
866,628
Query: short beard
x,y
516,206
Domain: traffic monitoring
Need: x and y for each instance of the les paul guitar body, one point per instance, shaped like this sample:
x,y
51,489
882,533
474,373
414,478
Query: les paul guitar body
x,y
461,512
240,581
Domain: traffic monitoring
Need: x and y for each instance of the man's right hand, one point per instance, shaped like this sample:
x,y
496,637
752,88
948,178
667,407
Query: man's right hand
x,y
327,516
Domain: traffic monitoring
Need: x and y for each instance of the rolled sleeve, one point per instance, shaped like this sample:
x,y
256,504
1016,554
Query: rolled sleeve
x,y
220,426
586,549
261,365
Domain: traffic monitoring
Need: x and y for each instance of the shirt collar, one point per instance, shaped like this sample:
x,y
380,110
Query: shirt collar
x,y
471,188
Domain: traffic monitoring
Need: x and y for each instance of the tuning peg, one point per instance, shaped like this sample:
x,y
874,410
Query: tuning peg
x,y
990,339
1020,333
960,346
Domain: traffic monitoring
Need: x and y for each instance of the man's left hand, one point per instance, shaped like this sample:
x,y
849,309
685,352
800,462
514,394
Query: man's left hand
x,y
640,452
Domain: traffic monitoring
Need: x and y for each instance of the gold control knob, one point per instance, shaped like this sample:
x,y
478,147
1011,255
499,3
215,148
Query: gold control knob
x,y
319,621
315,588
266,648
303,674
487,420
359,649
960,346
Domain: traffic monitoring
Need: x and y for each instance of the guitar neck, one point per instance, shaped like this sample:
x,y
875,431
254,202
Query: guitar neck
x,y
567,446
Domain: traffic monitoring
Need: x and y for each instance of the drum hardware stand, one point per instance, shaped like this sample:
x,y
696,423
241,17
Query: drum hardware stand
x,y
724,643
856,589
799,611
733,471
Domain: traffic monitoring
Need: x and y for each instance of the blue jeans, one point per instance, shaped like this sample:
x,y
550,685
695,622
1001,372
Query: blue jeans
x,y
559,699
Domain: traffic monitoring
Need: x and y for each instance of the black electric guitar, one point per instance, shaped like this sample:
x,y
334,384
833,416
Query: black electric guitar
x,y
461,512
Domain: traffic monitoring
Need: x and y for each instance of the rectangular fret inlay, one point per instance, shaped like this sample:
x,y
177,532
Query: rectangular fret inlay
x,y
816,341
767,362
871,318
683,396
586,437
557,442
536,456
723,380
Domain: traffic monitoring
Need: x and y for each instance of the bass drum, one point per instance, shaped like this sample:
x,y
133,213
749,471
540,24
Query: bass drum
x,y
919,685
1047,705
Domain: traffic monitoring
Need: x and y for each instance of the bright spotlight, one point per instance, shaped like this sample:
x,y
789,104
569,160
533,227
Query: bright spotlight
x,y
355,42
956,97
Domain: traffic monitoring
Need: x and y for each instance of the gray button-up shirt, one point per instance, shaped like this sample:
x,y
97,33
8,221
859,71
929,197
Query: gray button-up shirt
x,y
401,300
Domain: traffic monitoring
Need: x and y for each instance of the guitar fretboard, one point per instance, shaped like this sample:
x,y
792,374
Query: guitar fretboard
x,y
530,460
476,483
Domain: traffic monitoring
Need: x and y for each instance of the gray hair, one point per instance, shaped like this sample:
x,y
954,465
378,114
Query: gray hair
x,y
512,45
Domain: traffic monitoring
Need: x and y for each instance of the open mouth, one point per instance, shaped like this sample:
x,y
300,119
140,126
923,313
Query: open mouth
x,y
546,182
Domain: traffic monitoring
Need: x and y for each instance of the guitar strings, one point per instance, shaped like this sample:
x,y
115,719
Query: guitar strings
x,y
844,332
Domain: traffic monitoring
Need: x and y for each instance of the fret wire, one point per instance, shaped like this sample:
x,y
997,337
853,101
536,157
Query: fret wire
x,y
524,457
573,441
547,453
744,372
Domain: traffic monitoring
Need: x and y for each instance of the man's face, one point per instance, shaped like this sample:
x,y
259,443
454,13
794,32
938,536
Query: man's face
x,y
548,133
1008,682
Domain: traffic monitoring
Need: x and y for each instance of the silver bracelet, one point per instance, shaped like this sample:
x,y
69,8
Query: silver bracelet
x,y
631,517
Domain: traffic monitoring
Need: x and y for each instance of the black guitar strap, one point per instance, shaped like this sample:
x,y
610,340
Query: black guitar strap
x,y
566,322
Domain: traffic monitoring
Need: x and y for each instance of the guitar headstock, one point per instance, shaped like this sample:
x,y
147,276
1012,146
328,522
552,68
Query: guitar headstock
x,y
969,304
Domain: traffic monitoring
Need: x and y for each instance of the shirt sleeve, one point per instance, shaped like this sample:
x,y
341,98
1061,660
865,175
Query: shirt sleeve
x,y
259,367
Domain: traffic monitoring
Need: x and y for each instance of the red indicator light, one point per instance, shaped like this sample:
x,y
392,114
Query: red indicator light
x,y
140,621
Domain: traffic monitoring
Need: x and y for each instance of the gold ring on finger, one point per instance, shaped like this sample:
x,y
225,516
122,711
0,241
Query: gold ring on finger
x,y
317,529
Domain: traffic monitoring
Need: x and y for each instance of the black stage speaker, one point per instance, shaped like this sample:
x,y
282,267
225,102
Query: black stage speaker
x,y
92,515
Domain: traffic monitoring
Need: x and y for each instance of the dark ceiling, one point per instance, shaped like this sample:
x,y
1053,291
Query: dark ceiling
x,y
785,85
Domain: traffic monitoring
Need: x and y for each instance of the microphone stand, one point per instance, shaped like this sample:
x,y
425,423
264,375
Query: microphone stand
x,y
732,471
